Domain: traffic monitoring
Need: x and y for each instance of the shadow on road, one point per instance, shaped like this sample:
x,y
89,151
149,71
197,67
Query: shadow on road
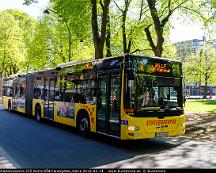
x,y
42,145
193,154
136,146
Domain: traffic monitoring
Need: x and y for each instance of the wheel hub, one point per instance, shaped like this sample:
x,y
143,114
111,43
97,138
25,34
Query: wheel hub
x,y
83,124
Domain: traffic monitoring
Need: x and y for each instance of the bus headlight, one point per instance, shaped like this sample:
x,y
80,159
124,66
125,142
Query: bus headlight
x,y
133,128
183,125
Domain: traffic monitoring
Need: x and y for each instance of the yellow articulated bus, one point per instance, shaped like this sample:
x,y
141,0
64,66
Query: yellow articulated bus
x,y
127,97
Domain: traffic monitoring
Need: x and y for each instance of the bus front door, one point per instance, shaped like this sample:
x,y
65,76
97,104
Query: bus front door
x,y
108,104
49,99
114,104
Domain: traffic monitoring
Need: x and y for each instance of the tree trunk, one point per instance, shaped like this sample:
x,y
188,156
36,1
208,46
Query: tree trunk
x,y
95,27
124,14
206,86
108,36
99,38
158,47
205,91
0,84
126,46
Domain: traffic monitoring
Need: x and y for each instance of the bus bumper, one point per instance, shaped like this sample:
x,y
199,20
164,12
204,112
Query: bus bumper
x,y
142,128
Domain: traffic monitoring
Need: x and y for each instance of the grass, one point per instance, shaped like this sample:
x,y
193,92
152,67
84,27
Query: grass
x,y
201,106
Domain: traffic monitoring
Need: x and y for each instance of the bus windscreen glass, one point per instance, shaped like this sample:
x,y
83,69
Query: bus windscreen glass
x,y
154,91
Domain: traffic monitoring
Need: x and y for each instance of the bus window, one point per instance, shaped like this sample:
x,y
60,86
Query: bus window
x,y
64,90
22,91
151,93
38,87
130,90
51,91
115,93
69,91
78,91
58,90
37,92
115,102
57,94
7,88
16,91
87,89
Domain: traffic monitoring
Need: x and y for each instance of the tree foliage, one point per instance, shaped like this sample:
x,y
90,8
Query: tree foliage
x,y
14,38
28,2
201,67
128,26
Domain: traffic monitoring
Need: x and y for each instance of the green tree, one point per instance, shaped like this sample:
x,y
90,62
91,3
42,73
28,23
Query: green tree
x,y
12,50
12,46
139,21
201,67
28,2
27,26
41,47
99,35
160,14
124,10
73,21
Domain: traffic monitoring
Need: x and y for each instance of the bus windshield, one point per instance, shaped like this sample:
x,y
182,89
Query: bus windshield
x,y
147,94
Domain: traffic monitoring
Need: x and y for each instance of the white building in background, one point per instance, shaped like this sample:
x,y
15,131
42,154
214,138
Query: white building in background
x,y
190,47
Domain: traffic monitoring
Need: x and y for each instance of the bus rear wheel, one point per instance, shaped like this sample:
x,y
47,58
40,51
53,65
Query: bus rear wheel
x,y
83,126
38,113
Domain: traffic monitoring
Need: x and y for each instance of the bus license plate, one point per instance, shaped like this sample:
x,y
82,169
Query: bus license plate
x,y
161,134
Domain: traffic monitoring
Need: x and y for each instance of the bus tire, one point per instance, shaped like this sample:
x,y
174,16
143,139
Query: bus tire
x,y
83,125
38,113
9,106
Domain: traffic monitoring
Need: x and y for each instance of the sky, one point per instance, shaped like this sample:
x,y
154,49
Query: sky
x,y
182,31
179,32
33,10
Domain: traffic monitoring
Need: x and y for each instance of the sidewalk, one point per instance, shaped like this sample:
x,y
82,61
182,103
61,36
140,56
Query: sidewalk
x,y
191,154
192,98
6,162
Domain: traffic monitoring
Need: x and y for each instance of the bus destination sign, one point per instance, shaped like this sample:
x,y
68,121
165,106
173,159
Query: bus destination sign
x,y
161,68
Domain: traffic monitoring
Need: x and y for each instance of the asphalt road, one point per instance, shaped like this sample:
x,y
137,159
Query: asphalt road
x,y
45,145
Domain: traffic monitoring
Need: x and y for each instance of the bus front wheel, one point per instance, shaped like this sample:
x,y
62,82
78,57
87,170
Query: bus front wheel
x,y
38,113
83,126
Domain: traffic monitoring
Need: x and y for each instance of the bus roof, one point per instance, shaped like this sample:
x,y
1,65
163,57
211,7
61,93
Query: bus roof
x,y
68,64
155,57
76,62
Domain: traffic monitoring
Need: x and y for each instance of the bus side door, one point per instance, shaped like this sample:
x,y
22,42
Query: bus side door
x,y
49,85
108,103
102,102
114,104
